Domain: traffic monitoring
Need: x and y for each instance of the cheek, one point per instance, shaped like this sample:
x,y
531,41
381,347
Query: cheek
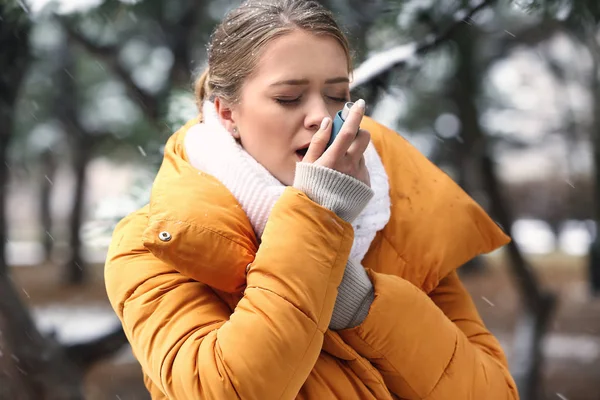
x,y
268,129
278,127
333,109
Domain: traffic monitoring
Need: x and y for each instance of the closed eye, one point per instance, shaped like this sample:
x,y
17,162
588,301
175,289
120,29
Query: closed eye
x,y
287,102
293,101
338,99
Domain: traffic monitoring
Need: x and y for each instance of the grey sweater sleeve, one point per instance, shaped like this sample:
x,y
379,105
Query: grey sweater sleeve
x,y
355,295
347,197
341,193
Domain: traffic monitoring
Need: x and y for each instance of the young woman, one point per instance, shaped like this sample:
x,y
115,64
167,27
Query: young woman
x,y
270,266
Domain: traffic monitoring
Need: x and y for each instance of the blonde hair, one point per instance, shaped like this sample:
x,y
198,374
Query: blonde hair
x,y
236,42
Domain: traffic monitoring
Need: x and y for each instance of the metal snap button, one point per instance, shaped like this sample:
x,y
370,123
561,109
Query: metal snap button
x,y
164,236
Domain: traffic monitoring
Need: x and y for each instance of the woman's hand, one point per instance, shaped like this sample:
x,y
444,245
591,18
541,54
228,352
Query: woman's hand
x,y
346,154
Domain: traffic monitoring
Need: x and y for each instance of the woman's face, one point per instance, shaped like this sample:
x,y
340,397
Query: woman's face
x,y
300,79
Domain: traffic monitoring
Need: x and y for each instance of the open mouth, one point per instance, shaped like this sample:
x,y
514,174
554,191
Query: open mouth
x,y
301,152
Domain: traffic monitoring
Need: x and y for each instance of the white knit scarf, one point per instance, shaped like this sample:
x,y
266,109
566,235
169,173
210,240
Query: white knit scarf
x,y
211,149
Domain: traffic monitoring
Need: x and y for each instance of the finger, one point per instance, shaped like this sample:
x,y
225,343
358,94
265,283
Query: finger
x,y
349,129
319,141
360,144
366,177
362,162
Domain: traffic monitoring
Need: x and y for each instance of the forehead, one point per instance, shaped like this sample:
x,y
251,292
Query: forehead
x,y
301,55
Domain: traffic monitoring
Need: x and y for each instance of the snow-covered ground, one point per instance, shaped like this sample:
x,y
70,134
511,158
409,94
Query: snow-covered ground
x,y
75,324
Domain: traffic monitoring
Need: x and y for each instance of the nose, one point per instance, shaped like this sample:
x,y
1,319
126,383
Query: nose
x,y
316,111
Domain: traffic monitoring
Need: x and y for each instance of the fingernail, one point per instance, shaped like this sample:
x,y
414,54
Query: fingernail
x,y
360,104
325,123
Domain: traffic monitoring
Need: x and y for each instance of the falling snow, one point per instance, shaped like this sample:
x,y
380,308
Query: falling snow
x,y
522,103
488,301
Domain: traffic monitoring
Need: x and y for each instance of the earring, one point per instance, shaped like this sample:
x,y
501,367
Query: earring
x,y
235,131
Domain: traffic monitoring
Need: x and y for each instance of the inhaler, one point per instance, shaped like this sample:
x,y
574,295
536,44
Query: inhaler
x,y
338,121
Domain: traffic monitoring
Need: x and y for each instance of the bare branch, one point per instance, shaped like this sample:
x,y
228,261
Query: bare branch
x,y
385,61
86,354
109,55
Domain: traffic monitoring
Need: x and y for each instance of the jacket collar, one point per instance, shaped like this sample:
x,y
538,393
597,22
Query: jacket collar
x,y
211,239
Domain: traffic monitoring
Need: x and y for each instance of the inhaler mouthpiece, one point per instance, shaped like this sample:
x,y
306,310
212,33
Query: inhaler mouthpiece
x,y
346,110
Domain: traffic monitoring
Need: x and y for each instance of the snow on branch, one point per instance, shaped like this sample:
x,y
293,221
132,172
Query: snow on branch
x,y
382,62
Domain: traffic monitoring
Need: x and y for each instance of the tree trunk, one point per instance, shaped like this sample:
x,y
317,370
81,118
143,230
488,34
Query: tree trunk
x,y
47,183
32,367
594,258
41,361
538,305
14,58
5,126
41,367
468,178
82,152
81,143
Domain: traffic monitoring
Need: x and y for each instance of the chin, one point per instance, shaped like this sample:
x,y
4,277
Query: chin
x,y
288,182
287,178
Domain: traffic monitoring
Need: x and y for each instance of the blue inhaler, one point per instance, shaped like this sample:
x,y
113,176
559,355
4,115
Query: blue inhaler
x,y
338,121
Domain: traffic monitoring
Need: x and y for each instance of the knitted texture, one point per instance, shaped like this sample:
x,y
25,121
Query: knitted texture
x,y
341,193
355,295
211,149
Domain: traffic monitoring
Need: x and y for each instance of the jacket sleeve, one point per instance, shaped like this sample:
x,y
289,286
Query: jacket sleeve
x,y
431,347
187,339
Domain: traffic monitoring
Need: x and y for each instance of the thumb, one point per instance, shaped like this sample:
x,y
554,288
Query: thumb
x,y
318,143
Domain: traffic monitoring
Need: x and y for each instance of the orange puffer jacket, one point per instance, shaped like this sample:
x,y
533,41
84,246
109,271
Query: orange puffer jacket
x,y
204,326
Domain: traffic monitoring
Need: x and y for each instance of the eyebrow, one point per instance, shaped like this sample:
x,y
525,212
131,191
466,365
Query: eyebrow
x,y
340,79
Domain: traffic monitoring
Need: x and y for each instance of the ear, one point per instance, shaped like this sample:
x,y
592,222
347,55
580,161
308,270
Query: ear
x,y
226,117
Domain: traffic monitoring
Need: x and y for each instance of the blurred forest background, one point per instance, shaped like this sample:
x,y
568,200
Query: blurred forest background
x,y
504,95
